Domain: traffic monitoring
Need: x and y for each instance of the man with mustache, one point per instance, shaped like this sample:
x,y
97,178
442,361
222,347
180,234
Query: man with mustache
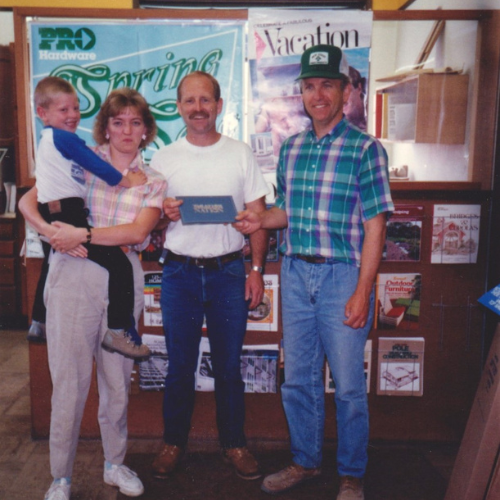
x,y
204,274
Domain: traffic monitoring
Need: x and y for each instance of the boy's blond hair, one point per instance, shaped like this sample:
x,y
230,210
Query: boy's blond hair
x,y
48,88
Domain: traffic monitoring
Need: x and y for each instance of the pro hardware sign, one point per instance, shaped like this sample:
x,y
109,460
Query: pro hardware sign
x,y
149,56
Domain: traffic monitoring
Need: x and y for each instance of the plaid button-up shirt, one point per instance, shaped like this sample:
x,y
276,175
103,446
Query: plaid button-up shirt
x,y
328,188
114,205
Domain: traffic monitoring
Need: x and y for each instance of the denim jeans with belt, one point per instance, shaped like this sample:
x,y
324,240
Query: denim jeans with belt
x,y
313,304
188,294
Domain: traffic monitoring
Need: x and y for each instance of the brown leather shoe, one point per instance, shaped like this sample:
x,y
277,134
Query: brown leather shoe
x,y
119,341
243,462
351,488
288,478
166,461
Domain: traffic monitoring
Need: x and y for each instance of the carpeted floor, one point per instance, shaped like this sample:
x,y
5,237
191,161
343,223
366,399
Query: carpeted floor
x,y
394,473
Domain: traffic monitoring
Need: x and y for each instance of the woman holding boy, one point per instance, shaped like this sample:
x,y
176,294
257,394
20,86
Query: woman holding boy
x,y
76,294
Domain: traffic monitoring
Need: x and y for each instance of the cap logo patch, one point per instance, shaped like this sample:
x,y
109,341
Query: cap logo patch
x,y
318,58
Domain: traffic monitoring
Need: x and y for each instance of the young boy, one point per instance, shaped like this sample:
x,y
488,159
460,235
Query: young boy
x,y
60,180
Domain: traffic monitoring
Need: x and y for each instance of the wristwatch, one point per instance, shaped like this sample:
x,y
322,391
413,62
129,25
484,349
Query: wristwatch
x,y
259,269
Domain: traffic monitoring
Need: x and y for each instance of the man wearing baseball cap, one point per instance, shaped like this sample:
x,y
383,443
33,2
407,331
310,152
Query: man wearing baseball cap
x,y
333,199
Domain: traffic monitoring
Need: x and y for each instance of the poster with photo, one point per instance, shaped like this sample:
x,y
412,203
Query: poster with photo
x,y
277,39
151,56
152,292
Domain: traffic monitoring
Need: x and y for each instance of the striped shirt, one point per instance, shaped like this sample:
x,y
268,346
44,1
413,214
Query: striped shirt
x,y
111,206
329,188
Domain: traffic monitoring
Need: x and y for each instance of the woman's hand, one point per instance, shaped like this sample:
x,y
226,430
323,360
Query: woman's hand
x,y
69,238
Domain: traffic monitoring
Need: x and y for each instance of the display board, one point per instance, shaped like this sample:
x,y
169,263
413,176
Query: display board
x,y
152,54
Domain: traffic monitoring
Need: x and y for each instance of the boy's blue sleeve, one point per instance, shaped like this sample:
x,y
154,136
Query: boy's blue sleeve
x,y
74,148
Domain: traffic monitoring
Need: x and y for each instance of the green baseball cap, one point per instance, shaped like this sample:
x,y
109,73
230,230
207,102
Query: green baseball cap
x,y
323,61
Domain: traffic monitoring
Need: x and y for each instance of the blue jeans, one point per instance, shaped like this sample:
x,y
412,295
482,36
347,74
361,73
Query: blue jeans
x,y
188,294
313,302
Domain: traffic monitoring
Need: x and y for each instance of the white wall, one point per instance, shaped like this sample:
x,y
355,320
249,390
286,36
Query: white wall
x,y
6,28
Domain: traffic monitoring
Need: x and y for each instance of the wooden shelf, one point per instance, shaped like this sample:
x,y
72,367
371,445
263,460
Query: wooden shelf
x,y
426,108
434,186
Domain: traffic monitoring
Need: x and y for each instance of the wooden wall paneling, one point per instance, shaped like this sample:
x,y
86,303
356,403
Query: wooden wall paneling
x,y
485,98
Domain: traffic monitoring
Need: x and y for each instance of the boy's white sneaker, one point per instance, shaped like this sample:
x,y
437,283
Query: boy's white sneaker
x,y
123,478
59,490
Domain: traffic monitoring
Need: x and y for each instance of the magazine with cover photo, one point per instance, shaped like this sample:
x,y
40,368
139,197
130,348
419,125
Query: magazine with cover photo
x,y
404,234
455,234
265,316
397,301
400,366
152,291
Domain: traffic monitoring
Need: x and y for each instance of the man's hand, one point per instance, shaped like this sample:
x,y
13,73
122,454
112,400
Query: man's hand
x,y
171,208
79,251
254,289
358,306
357,310
133,178
248,222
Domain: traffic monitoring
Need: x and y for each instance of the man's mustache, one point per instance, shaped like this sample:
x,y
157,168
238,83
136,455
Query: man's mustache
x,y
198,114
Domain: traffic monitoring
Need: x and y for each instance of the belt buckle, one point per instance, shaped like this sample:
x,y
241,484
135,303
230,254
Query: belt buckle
x,y
198,263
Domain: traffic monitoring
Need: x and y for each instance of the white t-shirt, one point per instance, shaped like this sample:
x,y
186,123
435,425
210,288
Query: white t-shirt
x,y
61,160
227,168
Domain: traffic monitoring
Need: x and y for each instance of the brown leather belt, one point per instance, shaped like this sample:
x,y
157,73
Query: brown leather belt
x,y
204,262
311,259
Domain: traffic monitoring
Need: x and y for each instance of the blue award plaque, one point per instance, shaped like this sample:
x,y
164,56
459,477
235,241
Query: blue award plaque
x,y
207,209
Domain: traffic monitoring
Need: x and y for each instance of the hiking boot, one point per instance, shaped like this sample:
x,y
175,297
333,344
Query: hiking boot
x,y
119,341
59,490
124,478
243,462
351,488
288,478
166,461
36,333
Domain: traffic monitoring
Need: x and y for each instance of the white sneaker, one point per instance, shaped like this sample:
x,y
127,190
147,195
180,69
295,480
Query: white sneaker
x,y
125,479
59,490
